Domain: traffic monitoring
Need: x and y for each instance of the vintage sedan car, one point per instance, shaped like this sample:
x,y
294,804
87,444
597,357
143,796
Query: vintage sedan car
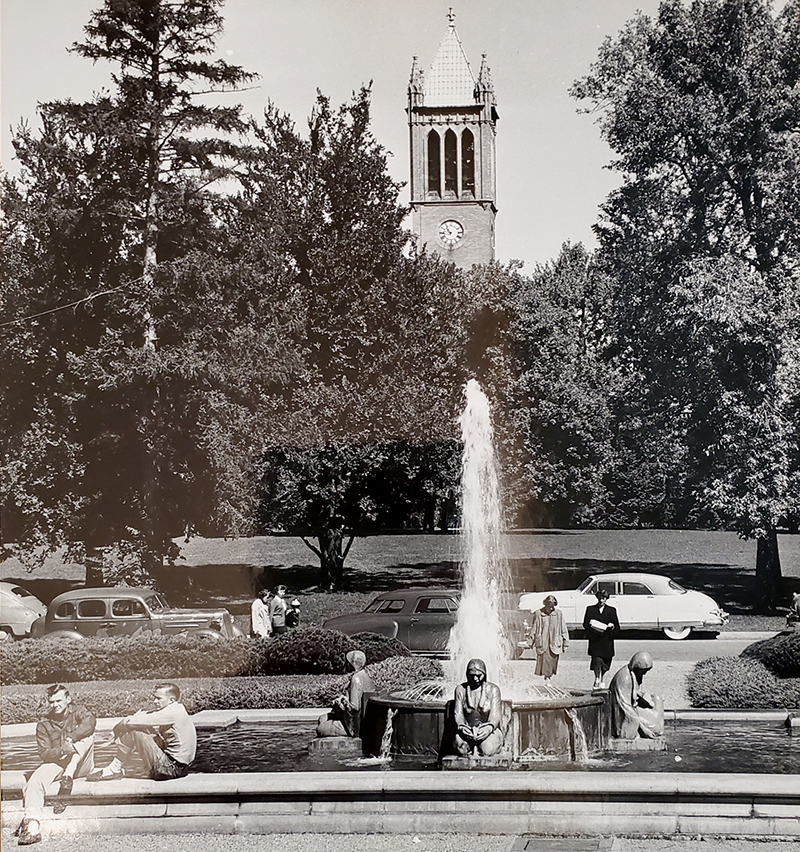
x,y
642,601
420,618
125,610
18,611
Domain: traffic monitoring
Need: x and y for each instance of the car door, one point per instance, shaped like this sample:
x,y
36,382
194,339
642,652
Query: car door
x,y
91,617
128,615
637,605
430,623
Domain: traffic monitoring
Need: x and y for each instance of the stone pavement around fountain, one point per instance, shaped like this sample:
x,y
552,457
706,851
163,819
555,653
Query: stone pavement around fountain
x,y
395,843
668,679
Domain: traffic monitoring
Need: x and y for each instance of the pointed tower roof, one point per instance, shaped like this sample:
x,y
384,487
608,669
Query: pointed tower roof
x,y
450,81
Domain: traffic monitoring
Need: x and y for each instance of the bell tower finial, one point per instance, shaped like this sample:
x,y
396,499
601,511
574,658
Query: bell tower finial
x,y
451,16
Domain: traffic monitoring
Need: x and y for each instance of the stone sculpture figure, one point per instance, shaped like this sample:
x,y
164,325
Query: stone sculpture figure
x,y
344,717
634,712
481,718
793,616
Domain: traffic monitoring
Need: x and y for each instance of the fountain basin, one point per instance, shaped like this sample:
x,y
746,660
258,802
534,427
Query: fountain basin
x,y
571,727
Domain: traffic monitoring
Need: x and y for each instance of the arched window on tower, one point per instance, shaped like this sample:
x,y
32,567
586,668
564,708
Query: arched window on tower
x,y
434,165
467,163
450,164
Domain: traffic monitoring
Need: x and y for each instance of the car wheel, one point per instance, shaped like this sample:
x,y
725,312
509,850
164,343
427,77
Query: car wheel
x,y
676,632
64,634
6,635
208,633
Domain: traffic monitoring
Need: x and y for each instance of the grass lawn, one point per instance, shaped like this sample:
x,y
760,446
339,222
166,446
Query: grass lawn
x,y
224,572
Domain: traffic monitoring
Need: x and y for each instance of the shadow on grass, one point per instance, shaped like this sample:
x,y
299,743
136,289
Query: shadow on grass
x,y
234,585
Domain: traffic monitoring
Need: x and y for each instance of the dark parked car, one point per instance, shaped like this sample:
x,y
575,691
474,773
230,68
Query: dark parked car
x,y
420,618
124,610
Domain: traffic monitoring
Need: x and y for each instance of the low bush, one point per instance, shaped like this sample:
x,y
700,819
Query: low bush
x,y
305,651
378,647
399,673
780,654
147,655
740,682
109,699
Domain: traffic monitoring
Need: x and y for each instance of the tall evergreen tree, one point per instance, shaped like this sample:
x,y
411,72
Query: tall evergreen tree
x,y
140,385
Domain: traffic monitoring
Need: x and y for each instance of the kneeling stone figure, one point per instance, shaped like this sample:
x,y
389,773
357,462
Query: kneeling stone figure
x,y
481,718
634,712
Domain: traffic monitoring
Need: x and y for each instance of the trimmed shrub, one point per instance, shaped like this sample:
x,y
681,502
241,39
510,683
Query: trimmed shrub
x,y
304,651
780,654
147,655
402,672
740,682
26,702
378,648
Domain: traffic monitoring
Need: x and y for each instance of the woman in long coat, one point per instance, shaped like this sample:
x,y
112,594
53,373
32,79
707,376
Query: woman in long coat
x,y
549,636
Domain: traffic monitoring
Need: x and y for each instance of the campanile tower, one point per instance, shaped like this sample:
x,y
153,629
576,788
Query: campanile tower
x,y
452,119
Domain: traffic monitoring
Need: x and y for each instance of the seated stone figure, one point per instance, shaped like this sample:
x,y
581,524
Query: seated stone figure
x,y
634,712
345,714
481,718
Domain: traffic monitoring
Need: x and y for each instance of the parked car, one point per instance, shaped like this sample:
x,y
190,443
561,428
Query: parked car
x,y
124,610
642,601
18,611
419,618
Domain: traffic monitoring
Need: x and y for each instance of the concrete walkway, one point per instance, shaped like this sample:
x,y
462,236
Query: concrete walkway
x,y
397,843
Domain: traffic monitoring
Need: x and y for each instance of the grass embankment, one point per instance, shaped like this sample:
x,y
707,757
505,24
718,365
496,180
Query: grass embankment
x,y
766,675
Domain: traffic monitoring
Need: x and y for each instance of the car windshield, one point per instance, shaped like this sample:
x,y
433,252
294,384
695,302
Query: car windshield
x,y
677,586
23,593
583,586
156,603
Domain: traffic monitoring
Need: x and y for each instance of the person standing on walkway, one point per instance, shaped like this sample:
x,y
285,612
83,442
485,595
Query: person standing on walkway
x,y
260,622
277,611
601,625
549,637
65,737
164,739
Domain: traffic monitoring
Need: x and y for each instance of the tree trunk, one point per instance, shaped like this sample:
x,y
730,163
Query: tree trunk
x,y
769,582
95,575
331,557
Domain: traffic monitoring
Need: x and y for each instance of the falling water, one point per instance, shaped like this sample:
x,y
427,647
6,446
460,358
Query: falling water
x,y
386,739
580,748
478,631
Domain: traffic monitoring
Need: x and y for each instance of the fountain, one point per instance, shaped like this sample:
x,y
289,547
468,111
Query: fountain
x,y
546,721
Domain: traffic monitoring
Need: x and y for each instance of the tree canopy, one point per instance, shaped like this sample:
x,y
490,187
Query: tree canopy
x,y
701,107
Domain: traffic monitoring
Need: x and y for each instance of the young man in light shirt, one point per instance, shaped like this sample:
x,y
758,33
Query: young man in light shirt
x,y
164,739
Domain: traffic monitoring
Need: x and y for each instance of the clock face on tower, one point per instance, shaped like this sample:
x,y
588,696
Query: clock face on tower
x,y
451,233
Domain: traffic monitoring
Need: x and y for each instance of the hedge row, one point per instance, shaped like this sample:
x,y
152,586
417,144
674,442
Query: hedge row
x,y
306,651
106,699
740,682
780,654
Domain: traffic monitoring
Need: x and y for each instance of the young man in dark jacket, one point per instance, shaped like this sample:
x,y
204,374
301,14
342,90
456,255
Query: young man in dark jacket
x,y
65,737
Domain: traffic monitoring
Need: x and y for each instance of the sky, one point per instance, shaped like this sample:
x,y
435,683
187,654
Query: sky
x,y
551,175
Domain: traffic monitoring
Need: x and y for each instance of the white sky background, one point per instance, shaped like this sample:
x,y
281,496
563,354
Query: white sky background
x,y
550,159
